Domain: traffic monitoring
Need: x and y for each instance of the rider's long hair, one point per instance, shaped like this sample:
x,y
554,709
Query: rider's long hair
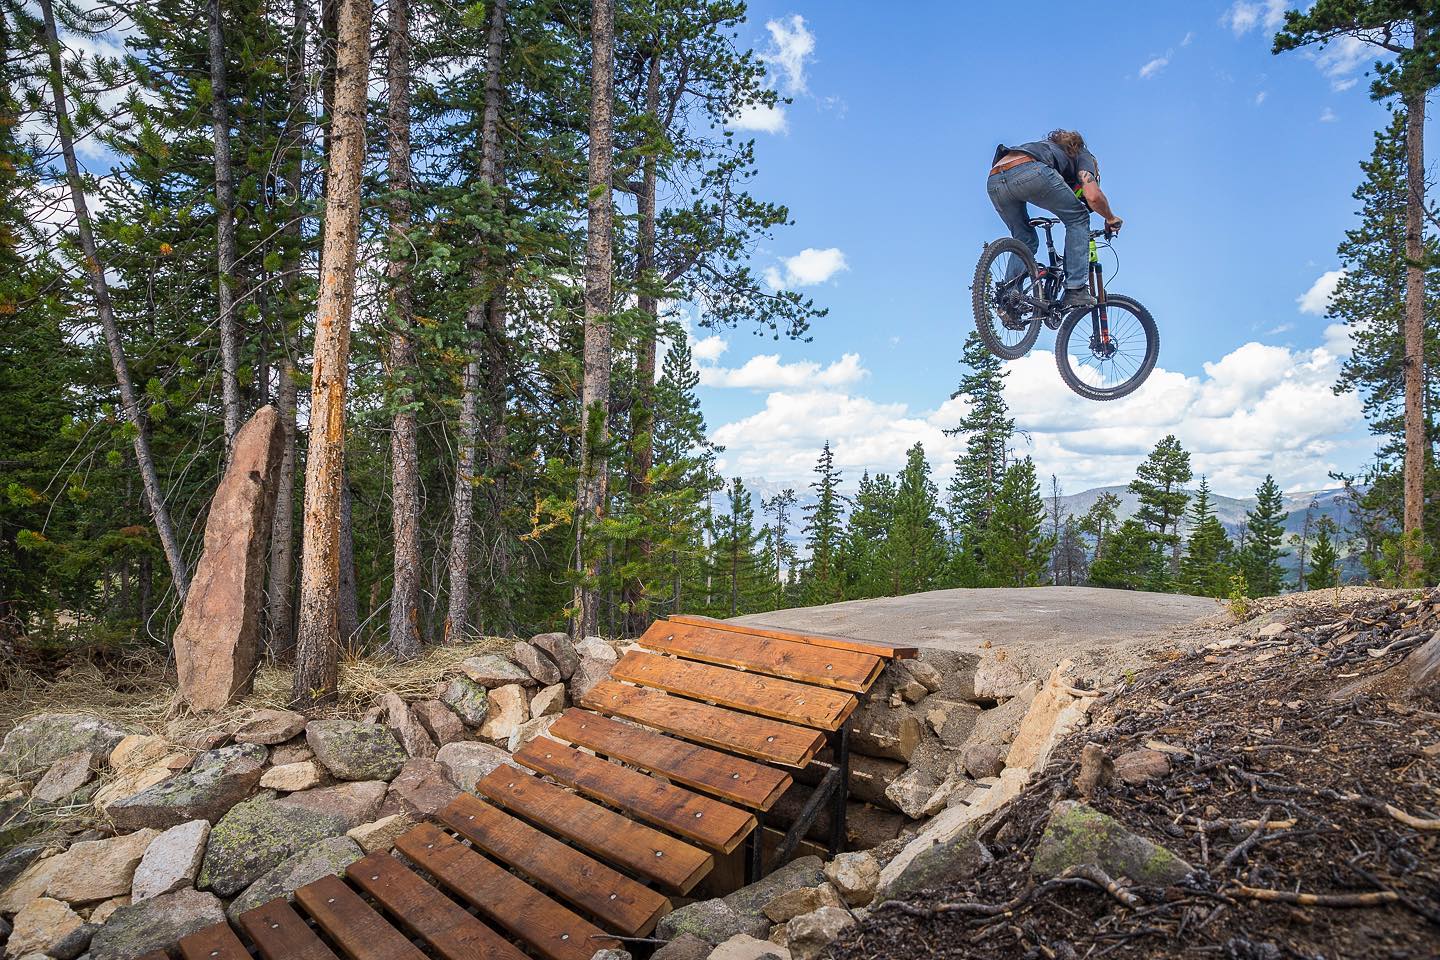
x,y
1068,140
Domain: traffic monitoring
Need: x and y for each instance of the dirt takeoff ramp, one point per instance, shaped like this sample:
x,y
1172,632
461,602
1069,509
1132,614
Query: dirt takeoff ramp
x,y
673,760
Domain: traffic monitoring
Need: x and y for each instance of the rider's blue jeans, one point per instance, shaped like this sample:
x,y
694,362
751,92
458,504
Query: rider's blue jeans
x,y
1040,184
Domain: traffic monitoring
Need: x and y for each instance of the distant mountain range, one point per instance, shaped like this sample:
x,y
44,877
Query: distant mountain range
x,y
1334,503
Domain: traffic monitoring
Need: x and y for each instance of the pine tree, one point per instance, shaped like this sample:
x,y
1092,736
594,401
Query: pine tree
x,y
824,581
1015,548
1410,76
1130,560
739,567
915,546
1160,485
1100,521
1205,569
866,545
980,468
1265,527
1324,558
782,551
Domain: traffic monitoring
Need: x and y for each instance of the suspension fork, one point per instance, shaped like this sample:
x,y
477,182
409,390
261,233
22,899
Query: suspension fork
x,y
1099,318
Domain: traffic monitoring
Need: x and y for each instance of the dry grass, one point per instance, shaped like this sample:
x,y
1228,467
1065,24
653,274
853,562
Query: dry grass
x,y
140,691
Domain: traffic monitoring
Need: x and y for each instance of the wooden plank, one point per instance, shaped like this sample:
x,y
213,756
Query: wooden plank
x,y
503,898
752,736
441,922
645,852
752,692
279,933
352,924
887,650
215,942
695,817
740,781
616,900
824,667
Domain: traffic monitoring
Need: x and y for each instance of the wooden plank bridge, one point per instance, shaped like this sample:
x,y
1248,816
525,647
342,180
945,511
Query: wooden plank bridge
x,y
673,761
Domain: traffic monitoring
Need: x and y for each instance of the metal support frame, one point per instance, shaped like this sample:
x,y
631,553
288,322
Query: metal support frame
x,y
834,787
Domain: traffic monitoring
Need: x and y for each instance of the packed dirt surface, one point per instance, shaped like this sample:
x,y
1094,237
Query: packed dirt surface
x,y
1105,630
1281,760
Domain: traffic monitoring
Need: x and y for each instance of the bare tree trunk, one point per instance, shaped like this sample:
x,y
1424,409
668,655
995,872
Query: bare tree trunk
x,y
404,641
317,646
457,621
280,592
595,389
224,230
349,615
100,289
642,413
1415,439
497,454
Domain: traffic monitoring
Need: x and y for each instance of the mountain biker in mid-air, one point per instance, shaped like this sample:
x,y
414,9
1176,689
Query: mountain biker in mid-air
x,y
1060,175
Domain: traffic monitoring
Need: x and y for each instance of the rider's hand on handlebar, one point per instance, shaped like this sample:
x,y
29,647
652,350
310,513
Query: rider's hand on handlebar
x,y
1113,225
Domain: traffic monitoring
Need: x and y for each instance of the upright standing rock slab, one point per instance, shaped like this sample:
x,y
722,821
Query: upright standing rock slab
x,y
408,729
536,663
217,642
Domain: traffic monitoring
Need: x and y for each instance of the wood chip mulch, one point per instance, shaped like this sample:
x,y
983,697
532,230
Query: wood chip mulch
x,y
1303,786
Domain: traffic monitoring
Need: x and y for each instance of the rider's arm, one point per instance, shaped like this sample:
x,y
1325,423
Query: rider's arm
x,y
1094,196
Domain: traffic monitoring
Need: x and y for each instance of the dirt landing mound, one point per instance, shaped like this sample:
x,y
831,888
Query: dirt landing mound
x,y
1276,760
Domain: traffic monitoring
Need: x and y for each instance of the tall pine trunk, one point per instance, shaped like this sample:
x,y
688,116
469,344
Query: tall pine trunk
x,y
1416,442
317,646
595,388
457,620
404,641
100,289
642,413
280,589
224,229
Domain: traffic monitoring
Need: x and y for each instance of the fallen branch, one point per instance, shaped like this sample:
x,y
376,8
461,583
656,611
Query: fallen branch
x,y
1080,875
1373,899
1243,848
1411,820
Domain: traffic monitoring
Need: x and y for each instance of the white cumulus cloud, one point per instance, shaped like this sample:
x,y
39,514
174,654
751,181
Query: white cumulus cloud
x,y
1316,300
760,118
808,268
766,372
709,349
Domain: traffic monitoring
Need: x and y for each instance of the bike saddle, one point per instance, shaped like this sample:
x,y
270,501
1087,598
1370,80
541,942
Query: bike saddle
x,y
1042,221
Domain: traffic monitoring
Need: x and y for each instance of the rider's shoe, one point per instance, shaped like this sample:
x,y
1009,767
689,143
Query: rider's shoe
x,y
1077,298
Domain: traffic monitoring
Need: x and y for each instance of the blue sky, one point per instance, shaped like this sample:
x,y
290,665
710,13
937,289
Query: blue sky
x,y
1233,170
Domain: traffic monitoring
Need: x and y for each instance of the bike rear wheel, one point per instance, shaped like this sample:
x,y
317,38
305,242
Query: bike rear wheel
x,y
1004,316
1107,371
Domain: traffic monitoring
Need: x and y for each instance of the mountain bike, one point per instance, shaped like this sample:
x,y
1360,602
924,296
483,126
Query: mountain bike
x,y
1103,353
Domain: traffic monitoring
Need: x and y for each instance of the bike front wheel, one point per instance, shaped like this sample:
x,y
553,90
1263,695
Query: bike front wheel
x,y
1100,367
1002,296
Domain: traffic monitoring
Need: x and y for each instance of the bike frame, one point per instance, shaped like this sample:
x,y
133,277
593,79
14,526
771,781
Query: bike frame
x,y
1052,276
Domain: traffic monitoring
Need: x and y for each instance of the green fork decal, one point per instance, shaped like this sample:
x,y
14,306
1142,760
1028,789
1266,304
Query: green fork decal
x,y
1094,251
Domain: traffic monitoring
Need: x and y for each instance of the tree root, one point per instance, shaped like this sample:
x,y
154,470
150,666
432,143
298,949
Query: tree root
x,y
1080,875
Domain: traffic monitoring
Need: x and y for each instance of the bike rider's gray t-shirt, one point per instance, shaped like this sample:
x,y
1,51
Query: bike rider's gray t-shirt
x,y
1053,156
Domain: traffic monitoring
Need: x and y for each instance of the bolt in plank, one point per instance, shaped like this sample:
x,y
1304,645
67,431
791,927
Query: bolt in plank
x,y
745,782
752,692
822,666
215,942
622,904
279,933
352,924
645,852
889,651
716,825
441,922
743,733
502,897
